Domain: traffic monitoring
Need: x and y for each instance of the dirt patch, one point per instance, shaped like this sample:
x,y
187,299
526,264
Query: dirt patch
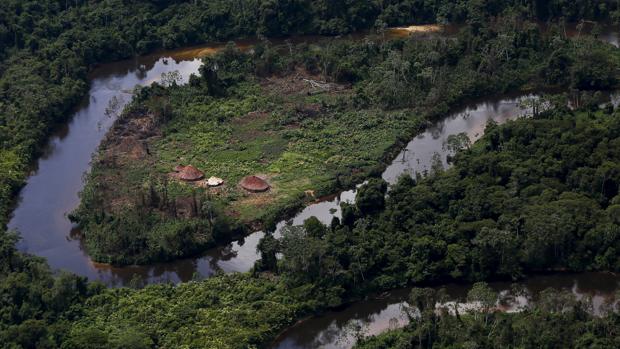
x,y
301,82
129,148
127,140
120,204
186,207
308,110
258,200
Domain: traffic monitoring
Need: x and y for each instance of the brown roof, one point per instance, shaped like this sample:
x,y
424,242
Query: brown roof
x,y
190,173
178,168
254,184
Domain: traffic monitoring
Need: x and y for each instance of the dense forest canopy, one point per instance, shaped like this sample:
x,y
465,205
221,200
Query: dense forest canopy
x,y
524,198
532,195
462,223
555,320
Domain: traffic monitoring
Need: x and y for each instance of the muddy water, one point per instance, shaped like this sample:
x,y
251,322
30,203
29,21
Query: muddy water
x,y
340,329
371,317
52,190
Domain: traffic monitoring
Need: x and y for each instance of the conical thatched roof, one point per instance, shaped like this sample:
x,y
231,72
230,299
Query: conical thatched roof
x,y
190,173
254,184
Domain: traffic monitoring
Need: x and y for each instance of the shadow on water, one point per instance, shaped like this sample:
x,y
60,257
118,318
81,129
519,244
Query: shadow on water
x,y
52,189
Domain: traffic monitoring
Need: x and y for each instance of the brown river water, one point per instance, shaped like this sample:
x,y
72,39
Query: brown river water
x,y
52,191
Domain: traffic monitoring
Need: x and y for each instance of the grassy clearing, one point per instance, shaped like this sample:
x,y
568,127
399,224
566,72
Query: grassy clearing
x,y
270,127
297,142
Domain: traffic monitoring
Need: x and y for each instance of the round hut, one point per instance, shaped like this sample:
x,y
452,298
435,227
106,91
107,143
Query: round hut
x,y
190,174
254,184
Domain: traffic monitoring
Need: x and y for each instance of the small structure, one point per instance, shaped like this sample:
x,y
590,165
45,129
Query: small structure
x,y
214,182
190,174
254,184
178,168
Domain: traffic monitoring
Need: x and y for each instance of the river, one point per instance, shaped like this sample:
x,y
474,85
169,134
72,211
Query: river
x,y
340,329
52,191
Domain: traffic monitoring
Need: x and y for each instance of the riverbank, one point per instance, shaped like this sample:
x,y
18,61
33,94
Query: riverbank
x,y
55,185
555,318
488,238
303,137
54,68
236,138
322,295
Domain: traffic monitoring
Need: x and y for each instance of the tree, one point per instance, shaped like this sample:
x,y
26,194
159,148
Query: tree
x,y
483,297
371,196
457,142
268,247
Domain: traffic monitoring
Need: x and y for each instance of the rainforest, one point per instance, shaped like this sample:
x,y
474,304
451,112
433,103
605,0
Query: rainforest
x,y
306,174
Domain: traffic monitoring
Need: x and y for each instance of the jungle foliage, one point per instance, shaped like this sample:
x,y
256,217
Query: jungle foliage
x,y
239,118
554,320
533,195
48,47
37,308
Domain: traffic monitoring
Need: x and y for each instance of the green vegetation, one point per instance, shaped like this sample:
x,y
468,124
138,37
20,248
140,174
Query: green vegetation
x,y
37,308
535,194
258,113
267,126
555,320
48,46
232,311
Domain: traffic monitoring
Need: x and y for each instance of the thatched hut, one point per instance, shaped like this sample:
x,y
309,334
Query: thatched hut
x,y
254,184
190,174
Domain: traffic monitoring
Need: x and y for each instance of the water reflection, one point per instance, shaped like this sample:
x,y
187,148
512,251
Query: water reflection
x,y
52,190
342,328
417,157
